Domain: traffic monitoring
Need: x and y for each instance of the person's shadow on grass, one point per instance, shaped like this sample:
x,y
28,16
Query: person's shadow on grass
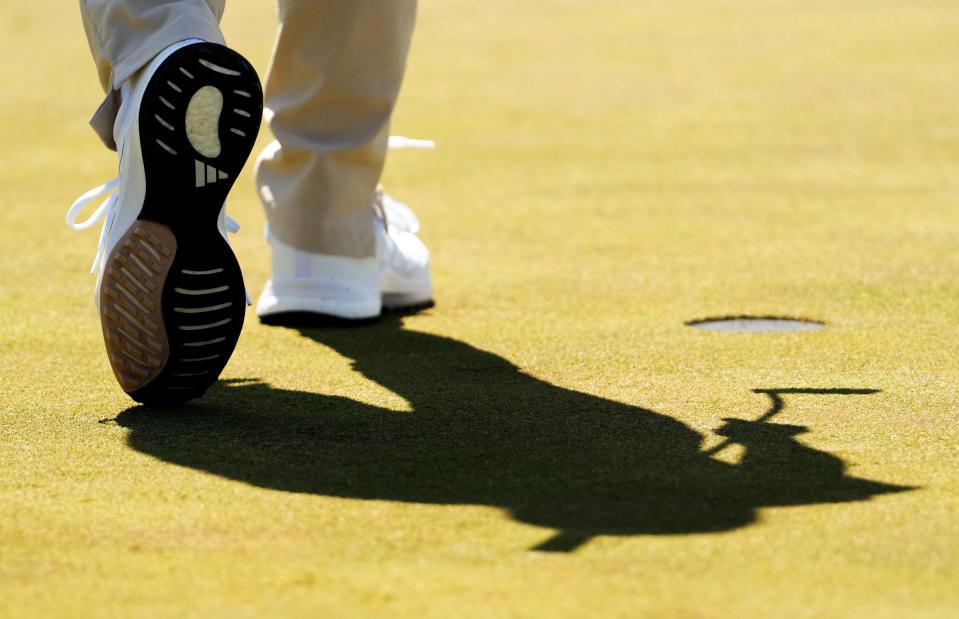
x,y
482,432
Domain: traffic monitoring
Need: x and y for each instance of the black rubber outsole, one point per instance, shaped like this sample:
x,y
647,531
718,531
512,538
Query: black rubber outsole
x,y
203,300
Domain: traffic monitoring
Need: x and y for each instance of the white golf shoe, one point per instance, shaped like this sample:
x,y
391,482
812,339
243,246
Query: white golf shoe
x,y
397,276
169,289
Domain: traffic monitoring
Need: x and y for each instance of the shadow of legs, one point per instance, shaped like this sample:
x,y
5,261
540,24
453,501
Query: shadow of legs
x,y
484,433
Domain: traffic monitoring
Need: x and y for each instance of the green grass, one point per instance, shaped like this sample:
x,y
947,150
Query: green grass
x,y
535,445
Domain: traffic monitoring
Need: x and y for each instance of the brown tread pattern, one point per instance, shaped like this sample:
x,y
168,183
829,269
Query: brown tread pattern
x,y
130,303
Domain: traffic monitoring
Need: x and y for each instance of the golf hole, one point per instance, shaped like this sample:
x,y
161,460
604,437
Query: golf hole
x,y
755,324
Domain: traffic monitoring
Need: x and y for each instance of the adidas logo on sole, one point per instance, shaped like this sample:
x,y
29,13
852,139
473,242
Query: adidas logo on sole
x,y
207,174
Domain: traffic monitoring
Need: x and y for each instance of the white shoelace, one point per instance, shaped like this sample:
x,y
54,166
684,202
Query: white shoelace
x,y
394,211
399,142
106,211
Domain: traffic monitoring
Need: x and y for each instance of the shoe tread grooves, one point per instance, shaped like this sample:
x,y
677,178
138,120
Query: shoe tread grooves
x,y
177,230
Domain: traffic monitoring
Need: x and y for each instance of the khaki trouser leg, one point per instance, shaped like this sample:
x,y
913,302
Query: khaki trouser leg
x,y
124,35
333,82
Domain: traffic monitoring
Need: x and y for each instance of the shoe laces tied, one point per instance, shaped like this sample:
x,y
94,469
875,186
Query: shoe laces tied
x,y
106,211
393,213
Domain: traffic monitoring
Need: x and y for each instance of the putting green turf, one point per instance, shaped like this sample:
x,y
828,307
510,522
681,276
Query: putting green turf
x,y
606,171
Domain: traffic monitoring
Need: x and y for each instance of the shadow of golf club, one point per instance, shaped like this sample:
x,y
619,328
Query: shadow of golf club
x,y
482,432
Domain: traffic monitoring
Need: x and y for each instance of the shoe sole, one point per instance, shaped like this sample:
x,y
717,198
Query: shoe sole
x,y
172,298
338,299
329,297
